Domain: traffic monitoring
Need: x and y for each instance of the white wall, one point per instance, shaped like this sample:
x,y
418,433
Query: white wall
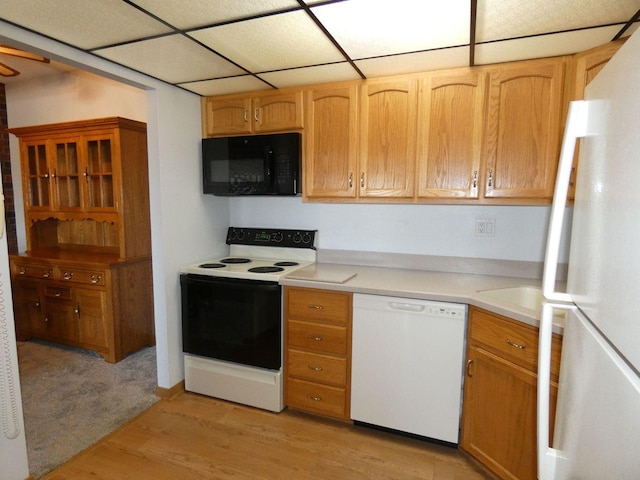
x,y
443,230
185,225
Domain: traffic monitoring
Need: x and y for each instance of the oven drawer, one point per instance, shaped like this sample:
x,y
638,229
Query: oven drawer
x,y
317,368
319,305
317,337
313,397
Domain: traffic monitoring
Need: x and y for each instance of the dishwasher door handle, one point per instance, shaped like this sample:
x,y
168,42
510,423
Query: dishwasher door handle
x,y
406,307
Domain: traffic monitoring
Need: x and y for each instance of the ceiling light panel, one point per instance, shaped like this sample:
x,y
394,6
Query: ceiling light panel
x,y
185,14
503,19
77,23
173,59
369,28
276,42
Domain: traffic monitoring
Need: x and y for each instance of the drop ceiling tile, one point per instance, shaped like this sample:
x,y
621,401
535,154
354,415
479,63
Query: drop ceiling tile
x,y
543,45
186,14
335,72
502,19
224,86
286,40
173,59
414,62
371,28
77,23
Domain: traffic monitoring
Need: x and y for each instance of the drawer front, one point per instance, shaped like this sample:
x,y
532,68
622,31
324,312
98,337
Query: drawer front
x,y
316,398
317,368
317,337
52,291
32,270
319,305
513,341
85,277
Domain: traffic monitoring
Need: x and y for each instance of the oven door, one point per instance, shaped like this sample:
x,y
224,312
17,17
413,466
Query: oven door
x,y
231,319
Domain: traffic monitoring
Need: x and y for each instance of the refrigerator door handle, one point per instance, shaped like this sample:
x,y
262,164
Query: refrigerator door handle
x,y
547,456
575,128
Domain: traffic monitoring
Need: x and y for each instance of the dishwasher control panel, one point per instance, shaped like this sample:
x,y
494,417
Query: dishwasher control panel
x,y
447,312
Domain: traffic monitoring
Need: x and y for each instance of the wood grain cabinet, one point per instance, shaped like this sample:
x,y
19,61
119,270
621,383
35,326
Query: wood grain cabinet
x,y
85,279
254,113
318,351
500,388
522,137
450,133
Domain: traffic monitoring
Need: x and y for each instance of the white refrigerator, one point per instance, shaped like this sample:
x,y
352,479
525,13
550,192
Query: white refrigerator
x,y
597,423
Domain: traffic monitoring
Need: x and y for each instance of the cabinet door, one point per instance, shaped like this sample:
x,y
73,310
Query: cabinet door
x,y
330,142
388,138
61,322
91,310
36,168
99,173
499,415
227,116
450,135
522,137
27,303
66,175
277,112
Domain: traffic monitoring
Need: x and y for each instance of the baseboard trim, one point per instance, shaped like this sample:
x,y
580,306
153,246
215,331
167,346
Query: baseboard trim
x,y
165,393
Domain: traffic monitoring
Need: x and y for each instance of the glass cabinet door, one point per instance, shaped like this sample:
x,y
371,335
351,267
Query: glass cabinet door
x,y
99,174
38,175
66,175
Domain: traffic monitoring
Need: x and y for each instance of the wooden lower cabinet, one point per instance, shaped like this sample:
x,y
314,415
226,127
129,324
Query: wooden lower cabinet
x,y
500,388
105,307
317,352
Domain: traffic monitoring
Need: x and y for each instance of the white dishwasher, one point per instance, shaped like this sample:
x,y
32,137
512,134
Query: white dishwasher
x,y
407,365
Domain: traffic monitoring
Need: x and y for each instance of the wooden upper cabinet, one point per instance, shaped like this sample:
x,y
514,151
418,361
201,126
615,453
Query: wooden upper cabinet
x,y
522,131
255,113
450,128
330,142
388,115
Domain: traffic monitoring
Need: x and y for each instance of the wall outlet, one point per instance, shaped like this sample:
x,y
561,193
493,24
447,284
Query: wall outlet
x,y
485,227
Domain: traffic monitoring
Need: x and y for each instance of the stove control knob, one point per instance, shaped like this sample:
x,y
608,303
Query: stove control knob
x,y
277,237
297,237
306,237
240,234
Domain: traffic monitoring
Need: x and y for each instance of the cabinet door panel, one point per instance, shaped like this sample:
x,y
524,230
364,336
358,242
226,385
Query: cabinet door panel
x,y
331,142
99,174
229,116
450,134
92,321
37,177
67,175
277,112
388,139
61,321
522,138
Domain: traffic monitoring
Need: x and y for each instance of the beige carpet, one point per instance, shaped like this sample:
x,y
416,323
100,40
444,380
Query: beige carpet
x,y
72,398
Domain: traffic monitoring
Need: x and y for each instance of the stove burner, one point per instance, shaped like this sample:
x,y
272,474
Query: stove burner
x,y
211,265
286,264
265,269
235,260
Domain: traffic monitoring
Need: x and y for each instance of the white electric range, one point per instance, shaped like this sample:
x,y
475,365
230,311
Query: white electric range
x,y
232,315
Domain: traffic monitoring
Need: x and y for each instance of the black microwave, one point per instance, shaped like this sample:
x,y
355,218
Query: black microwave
x,y
252,165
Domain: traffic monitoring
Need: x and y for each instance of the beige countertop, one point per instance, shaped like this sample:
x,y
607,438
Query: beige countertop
x,y
421,284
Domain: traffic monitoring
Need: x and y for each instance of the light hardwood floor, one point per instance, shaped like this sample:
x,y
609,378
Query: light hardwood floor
x,y
196,437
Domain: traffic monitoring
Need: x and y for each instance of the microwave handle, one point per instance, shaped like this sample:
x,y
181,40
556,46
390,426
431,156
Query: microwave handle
x,y
269,165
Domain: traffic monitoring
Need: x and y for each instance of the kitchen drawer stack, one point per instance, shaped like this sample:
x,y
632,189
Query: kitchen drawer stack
x,y
318,351
499,415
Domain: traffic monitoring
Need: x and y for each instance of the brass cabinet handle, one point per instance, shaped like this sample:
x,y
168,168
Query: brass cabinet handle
x,y
255,115
316,307
46,273
67,275
246,116
315,398
315,369
22,271
475,179
95,278
77,310
362,179
515,345
317,338
469,374
490,184
351,180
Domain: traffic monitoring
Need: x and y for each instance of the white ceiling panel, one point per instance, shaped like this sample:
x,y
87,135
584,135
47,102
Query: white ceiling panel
x,y
371,28
415,62
173,59
223,86
502,19
195,13
80,23
543,45
271,43
335,72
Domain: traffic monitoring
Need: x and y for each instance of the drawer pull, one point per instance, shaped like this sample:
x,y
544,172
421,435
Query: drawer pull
x,y
58,294
95,278
317,338
315,398
315,369
469,373
67,275
22,271
46,273
515,345
317,307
